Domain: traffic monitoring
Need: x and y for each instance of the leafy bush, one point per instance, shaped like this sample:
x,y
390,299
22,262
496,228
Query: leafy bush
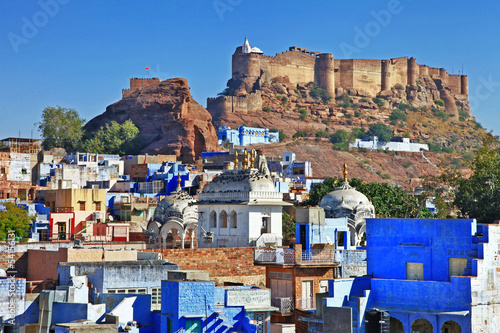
x,y
322,134
448,150
267,109
364,99
378,101
357,113
303,114
341,140
319,93
407,165
383,132
344,100
462,113
434,147
397,115
404,106
358,133
441,115
439,102
282,135
284,99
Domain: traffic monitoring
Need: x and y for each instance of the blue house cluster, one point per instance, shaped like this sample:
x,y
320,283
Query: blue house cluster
x,y
244,136
423,276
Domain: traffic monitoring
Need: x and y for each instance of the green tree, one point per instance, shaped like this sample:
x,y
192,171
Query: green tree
x,y
14,218
341,139
60,127
478,196
388,200
383,132
115,139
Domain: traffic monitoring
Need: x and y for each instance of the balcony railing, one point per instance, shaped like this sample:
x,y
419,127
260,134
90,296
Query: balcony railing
x,y
312,257
279,256
62,209
284,304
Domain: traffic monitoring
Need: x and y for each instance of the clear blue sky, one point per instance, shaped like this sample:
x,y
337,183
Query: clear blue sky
x,y
82,53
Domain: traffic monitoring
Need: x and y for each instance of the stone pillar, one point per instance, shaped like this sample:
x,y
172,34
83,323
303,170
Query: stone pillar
x,y
465,85
386,75
324,72
413,71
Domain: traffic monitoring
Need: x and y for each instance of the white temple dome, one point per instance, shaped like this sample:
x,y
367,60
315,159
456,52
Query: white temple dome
x,y
173,205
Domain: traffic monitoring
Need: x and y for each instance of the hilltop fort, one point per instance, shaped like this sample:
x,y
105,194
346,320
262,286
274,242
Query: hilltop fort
x,y
251,70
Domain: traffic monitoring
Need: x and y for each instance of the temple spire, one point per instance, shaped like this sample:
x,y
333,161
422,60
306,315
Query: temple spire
x,y
179,187
345,173
235,160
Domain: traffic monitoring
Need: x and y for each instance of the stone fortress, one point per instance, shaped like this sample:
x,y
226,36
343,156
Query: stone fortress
x,y
362,77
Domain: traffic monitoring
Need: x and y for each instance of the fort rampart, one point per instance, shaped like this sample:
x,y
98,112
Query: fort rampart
x,y
371,76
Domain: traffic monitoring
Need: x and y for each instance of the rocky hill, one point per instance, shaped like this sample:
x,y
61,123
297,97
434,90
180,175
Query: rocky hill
x,y
169,120
407,170
426,112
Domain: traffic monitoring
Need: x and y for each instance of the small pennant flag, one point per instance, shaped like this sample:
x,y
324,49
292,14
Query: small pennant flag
x,y
147,68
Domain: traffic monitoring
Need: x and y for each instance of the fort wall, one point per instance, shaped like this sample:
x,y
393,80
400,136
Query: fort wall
x,y
241,104
137,83
372,76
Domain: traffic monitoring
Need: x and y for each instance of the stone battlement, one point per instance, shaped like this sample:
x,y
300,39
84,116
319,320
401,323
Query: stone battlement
x,y
137,83
372,76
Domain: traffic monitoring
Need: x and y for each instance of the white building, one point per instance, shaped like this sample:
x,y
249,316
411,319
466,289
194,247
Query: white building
x,y
396,144
241,208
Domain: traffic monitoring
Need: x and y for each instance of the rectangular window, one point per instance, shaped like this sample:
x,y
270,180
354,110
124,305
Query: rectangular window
x,y
414,271
457,266
82,205
97,205
155,298
2,170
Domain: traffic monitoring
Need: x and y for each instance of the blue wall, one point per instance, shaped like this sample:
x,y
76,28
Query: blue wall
x,y
391,243
67,312
185,300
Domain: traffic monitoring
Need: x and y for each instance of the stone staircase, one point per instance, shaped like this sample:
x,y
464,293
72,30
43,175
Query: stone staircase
x,y
358,305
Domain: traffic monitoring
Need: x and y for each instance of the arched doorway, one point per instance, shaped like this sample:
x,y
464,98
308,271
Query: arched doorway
x,y
451,326
421,325
396,326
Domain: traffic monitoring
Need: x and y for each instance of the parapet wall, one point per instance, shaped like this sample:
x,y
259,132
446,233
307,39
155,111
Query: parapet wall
x,y
372,76
223,264
137,83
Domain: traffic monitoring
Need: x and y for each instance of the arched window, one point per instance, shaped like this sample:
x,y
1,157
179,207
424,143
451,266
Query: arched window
x,y
422,325
233,219
213,219
223,219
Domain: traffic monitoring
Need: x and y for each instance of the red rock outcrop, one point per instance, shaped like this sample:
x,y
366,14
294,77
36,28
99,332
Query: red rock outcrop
x,y
168,119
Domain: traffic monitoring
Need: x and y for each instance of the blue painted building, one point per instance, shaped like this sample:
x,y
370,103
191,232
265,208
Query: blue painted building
x,y
243,135
428,275
200,306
